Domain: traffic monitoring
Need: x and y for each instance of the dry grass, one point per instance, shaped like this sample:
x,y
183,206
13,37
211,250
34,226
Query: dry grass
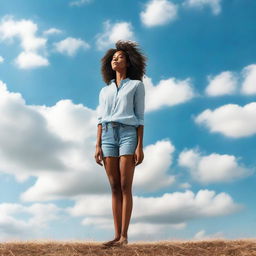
x,y
214,247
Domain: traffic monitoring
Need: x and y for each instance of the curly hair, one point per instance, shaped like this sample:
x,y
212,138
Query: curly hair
x,y
134,56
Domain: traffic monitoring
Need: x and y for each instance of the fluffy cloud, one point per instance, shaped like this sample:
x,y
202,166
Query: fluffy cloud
x,y
26,140
40,141
249,83
152,231
70,46
212,168
52,31
34,53
228,82
213,4
156,214
230,120
1,59
38,216
222,84
161,12
152,174
158,12
32,45
114,32
28,60
167,92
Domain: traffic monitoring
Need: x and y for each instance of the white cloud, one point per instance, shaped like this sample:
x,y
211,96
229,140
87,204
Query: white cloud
x,y
25,31
1,59
158,12
152,175
226,83
15,226
52,31
215,5
34,52
168,92
40,141
156,214
114,32
70,46
200,235
28,60
152,231
212,168
230,120
223,84
249,83
27,146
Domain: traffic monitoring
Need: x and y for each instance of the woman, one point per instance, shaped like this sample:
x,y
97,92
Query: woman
x,y
120,128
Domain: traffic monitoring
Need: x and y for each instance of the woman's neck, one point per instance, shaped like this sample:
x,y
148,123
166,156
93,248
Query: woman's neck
x,y
119,77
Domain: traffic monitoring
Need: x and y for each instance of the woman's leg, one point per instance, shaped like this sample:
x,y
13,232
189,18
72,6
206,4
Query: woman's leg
x,y
111,165
127,166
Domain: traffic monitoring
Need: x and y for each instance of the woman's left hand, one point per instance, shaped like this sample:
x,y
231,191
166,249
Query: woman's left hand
x,y
138,155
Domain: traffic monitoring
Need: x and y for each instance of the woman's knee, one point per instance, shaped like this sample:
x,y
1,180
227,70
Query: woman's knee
x,y
115,187
126,188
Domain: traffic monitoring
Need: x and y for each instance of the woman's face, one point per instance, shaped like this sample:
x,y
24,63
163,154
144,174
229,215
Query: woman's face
x,y
118,61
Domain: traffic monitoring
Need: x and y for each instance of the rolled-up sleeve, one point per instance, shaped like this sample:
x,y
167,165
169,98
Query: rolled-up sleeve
x,y
139,102
100,107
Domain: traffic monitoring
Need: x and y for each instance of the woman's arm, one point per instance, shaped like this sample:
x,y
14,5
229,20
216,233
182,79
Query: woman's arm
x,y
139,102
139,108
140,130
139,155
99,131
99,118
98,152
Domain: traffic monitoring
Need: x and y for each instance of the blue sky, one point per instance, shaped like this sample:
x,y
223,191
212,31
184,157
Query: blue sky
x,y
197,179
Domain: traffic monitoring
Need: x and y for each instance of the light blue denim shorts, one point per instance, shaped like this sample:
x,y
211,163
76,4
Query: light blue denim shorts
x,y
118,139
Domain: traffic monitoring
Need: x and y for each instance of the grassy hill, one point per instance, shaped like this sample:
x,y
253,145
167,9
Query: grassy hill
x,y
215,247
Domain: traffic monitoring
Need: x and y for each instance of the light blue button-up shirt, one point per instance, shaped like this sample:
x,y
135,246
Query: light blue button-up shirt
x,y
124,104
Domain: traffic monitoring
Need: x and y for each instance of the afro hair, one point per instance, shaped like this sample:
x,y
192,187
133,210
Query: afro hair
x,y
134,56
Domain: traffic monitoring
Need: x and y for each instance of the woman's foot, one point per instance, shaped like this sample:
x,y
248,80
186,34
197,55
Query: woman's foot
x,y
111,242
122,241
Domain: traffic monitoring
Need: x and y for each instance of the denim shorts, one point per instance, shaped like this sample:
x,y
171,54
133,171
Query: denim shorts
x,y
118,139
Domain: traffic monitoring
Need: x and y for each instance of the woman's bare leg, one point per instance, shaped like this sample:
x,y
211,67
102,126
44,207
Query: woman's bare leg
x,y
111,165
127,166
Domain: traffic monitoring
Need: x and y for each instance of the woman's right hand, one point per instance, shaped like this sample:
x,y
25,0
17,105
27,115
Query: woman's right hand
x,y
98,155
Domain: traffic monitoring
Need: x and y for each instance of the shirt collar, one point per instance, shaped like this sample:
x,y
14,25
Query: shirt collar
x,y
122,81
